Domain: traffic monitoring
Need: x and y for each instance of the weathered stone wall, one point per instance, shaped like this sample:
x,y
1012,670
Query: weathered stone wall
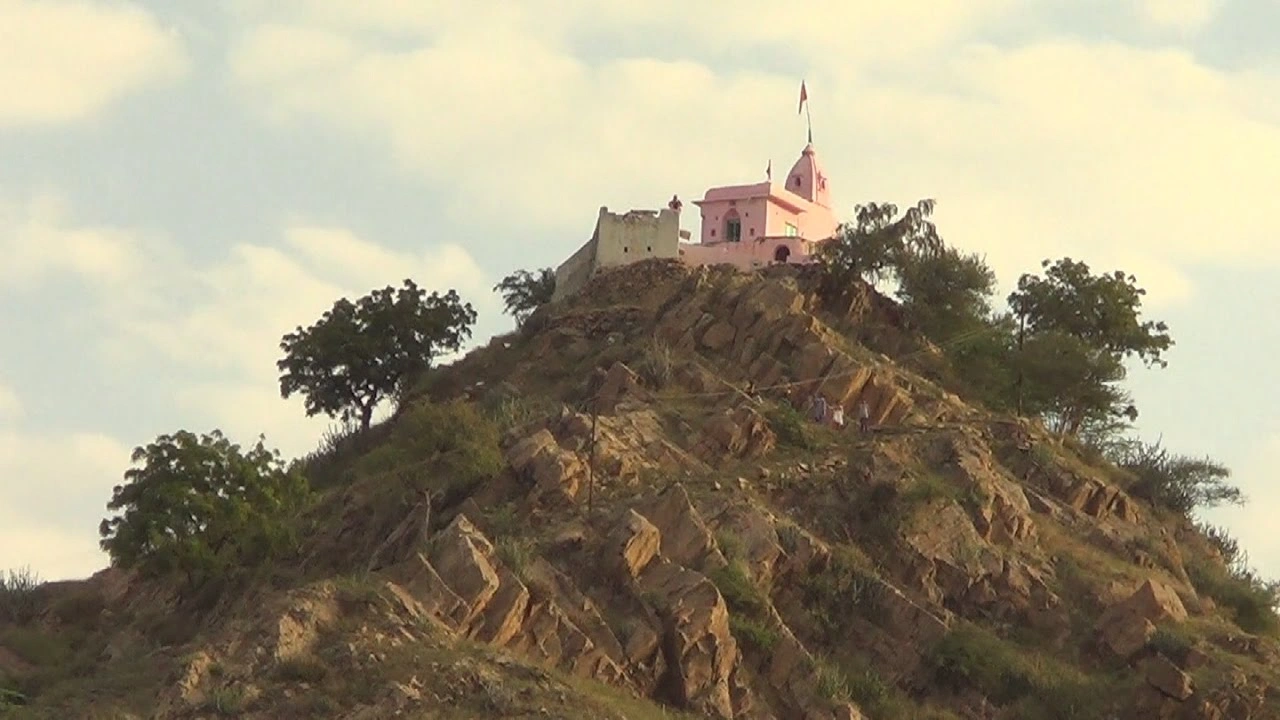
x,y
636,235
574,272
620,239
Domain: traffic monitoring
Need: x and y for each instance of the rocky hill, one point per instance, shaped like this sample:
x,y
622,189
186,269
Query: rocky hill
x,y
622,511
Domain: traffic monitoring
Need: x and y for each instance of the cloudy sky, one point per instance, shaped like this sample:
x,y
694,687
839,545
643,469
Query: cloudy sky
x,y
182,182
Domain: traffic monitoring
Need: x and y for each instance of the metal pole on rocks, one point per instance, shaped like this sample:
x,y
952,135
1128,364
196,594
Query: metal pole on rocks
x,y
591,457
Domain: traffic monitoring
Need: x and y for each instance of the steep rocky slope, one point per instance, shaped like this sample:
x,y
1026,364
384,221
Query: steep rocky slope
x,y
657,530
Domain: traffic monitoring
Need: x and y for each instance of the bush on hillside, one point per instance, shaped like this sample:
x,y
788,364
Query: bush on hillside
x,y
18,600
970,657
1177,482
523,292
1249,599
446,449
203,507
791,427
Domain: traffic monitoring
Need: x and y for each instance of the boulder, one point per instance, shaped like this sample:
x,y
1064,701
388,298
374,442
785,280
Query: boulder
x,y
635,543
1126,627
699,647
685,536
1163,675
461,554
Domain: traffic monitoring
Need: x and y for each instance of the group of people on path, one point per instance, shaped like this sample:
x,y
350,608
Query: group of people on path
x,y
825,414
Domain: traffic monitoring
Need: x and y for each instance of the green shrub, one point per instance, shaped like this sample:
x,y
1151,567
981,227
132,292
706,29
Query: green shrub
x,y
516,554
508,411
1170,643
1248,599
37,647
1222,541
11,698
203,508
657,364
730,545
791,427
447,448
1041,688
884,508
357,592
301,669
846,590
18,600
503,521
753,633
226,702
833,684
740,594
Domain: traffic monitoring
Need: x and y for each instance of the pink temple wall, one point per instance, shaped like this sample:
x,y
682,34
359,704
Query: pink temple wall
x,y
752,212
745,255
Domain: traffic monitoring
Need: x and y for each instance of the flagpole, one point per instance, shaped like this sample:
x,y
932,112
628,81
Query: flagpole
x,y
809,120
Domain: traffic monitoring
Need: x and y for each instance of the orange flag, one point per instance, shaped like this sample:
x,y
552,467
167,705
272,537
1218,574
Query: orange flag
x,y
804,95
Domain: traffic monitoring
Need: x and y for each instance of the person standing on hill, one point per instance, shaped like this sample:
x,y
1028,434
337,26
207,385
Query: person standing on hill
x,y
837,416
864,416
819,409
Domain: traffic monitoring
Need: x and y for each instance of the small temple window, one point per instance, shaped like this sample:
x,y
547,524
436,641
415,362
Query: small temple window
x,y
733,230
792,230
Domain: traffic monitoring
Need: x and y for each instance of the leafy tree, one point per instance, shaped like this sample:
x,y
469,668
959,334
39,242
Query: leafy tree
x,y
523,292
984,361
1177,482
202,507
945,292
360,353
1102,310
876,241
1075,331
1070,384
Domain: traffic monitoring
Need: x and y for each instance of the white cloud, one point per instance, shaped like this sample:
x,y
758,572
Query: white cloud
x,y
1179,15
224,337
37,242
10,405
1253,523
1100,151
63,60
56,490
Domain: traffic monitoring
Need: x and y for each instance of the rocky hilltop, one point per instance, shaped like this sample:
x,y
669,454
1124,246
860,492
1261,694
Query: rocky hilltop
x,y
622,511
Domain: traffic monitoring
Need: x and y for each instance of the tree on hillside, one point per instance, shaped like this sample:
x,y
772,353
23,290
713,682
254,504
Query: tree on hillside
x,y
1075,331
523,292
203,507
1178,482
1102,310
358,354
945,292
877,240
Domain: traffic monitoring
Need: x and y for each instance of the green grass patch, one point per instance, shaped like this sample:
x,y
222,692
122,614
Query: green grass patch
x,y
302,669
1040,687
1248,599
792,427
740,593
753,633
849,588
